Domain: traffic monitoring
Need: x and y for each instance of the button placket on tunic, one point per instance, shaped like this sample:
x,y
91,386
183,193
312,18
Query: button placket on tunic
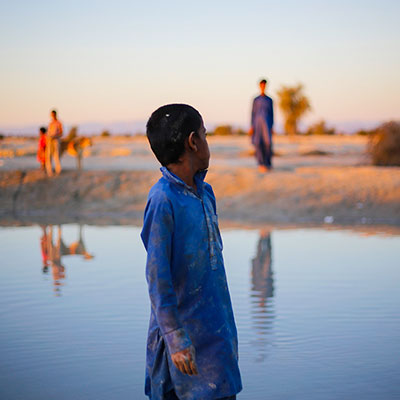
x,y
212,226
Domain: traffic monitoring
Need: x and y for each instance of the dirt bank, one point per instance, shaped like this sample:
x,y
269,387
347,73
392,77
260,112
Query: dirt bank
x,y
342,195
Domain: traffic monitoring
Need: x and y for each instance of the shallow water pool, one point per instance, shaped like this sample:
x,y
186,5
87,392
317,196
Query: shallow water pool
x,y
317,313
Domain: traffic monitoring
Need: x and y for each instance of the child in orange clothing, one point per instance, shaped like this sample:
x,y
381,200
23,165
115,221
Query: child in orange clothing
x,y
41,153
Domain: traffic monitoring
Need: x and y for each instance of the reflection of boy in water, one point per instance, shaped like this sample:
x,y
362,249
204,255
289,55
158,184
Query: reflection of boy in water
x,y
262,280
44,249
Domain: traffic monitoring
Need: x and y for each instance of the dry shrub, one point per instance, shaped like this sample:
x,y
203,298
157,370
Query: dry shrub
x,y
384,144
227,130
223,130
315,152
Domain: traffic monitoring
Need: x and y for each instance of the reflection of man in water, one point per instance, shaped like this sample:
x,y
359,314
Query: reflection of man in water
x,y
262,121
261,277
262,289
54,257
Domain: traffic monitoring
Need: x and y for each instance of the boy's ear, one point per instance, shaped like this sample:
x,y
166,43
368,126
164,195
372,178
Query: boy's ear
x,y
192,141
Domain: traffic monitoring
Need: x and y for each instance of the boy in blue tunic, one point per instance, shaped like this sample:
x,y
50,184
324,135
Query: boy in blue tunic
x,y
192,348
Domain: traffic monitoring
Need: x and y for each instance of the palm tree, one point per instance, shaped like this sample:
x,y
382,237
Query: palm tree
x,y
293,104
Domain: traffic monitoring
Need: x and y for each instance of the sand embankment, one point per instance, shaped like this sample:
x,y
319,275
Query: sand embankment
x,y
343,195
314,178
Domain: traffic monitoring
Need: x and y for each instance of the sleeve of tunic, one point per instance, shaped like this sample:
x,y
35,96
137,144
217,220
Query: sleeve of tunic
x,y
272,113
157,236
253,114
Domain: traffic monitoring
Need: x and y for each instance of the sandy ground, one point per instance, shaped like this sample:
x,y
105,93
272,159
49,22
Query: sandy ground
x,y
120,153
315,180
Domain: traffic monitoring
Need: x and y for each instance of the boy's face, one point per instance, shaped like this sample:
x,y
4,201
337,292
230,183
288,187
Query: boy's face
x,y
203,152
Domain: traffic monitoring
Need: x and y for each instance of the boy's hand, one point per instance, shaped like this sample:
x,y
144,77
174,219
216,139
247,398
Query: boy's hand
x,y
184,360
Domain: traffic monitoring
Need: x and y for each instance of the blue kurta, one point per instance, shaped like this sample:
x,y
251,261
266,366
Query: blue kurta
x,y
190,301
262,121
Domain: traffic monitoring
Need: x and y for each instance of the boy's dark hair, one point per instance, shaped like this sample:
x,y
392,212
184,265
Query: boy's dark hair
x,y
168,128
263,81
43,129
54,112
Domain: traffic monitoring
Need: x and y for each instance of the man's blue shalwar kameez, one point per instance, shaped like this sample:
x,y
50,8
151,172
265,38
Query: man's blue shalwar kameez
x,y
262,121
190,301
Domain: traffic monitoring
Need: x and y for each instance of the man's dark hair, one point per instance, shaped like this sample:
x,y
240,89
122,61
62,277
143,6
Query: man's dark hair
x,y
168,128
43,129
263,81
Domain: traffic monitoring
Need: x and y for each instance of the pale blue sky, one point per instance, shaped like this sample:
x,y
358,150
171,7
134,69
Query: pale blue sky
x,y
119,60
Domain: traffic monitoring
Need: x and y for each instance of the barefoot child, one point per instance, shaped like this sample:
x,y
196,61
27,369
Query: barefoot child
x,y
41,152
192,351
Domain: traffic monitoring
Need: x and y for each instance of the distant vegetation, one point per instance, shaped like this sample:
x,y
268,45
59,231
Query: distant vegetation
x,y
384,144
293,104
366,132
105,134
227,130
320,128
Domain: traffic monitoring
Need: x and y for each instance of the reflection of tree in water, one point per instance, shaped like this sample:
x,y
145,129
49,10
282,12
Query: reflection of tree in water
x,y
262,290
54,248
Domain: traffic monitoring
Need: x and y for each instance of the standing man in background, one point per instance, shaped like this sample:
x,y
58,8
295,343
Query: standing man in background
x,y
53,144
262,121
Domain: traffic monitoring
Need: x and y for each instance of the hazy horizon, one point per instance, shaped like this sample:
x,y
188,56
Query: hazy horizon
x,y
134,127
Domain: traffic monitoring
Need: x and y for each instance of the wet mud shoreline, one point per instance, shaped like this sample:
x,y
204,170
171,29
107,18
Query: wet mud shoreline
x,y
309,195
